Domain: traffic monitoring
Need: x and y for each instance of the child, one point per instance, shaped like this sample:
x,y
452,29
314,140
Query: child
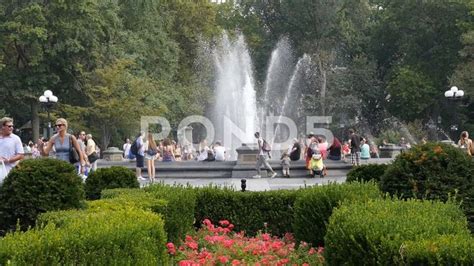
x,y
285,164
317,165
345,150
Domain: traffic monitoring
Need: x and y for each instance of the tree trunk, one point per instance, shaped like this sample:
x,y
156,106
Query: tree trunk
x,y
35,121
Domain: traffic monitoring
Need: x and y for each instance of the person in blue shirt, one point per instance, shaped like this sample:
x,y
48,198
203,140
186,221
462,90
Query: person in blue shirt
x,y
364,151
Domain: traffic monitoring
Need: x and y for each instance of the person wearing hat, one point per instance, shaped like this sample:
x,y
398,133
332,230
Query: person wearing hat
x,y
317,165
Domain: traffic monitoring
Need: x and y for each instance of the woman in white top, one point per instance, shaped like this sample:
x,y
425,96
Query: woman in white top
x,y
91,148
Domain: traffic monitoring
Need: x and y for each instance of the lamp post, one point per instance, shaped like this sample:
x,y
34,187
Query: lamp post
x,y
48,100
454,94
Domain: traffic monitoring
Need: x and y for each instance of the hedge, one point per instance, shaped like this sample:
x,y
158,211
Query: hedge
x,y
314,206
441,250
36,186
179,212
248,211
433,171
109,178
366,173
124,237
375,231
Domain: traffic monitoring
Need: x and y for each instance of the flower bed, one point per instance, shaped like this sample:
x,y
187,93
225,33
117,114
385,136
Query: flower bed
x,y
219,245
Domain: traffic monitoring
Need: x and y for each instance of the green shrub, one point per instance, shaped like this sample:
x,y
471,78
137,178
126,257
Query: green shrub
x,y
36,186
115,192
375,231
113,177
248,211
314,206
125,237
141,200
432,171
179,213
366,173
441,250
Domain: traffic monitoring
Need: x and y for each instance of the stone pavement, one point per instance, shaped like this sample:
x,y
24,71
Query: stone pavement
x,y
230,174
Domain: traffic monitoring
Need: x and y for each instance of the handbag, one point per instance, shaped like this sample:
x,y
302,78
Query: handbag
x,y
151,152
93,157
3,172
73,154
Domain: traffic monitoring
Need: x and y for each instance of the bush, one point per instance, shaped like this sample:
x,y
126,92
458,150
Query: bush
x,y
113,177
441,250
432,171
125,237
366,173
179,213
248,211
36,186
375,231
314,206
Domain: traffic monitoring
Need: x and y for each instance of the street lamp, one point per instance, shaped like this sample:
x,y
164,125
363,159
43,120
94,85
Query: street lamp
x,y
48,100
454,94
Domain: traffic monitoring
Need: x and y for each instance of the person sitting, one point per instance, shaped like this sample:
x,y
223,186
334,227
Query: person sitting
x,y
335,150
364,151
317,165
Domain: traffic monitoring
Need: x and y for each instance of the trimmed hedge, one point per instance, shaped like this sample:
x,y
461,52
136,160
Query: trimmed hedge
x,y
366,173
109,178
125,237
433,171
314,206
179,213
248,211
36,186
441,250
375,231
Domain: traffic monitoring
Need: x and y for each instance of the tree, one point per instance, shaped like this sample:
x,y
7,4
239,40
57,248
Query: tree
x,y
411,94
47,45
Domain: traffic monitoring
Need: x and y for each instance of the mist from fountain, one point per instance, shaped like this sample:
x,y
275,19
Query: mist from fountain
x,y
235,97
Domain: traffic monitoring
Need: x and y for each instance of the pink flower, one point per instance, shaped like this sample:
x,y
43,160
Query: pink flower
x,y
311,251
192,245
320,250
235,262
223,259
266,237
224,223
171,248
207,222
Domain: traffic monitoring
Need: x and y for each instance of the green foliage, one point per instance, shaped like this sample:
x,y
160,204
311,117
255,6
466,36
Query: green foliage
x,y
375,231
247,211
432,171
111,177
121,237
366,173
179,213
314,206
36,186
411,93
440,250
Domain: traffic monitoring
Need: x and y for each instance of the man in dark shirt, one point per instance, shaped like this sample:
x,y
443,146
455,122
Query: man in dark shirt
x,y
354,142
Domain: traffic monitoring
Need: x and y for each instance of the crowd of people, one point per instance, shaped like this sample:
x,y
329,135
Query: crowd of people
x,y
59,146
82,151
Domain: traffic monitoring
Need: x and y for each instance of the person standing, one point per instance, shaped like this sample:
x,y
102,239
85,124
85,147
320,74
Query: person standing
x,y
91,152
11,149
262,157
126,149
81,139
151,150
140,156
354,143
465,143
62,143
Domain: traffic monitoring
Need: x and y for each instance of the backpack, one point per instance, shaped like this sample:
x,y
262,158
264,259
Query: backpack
x,y
134,148
266,147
